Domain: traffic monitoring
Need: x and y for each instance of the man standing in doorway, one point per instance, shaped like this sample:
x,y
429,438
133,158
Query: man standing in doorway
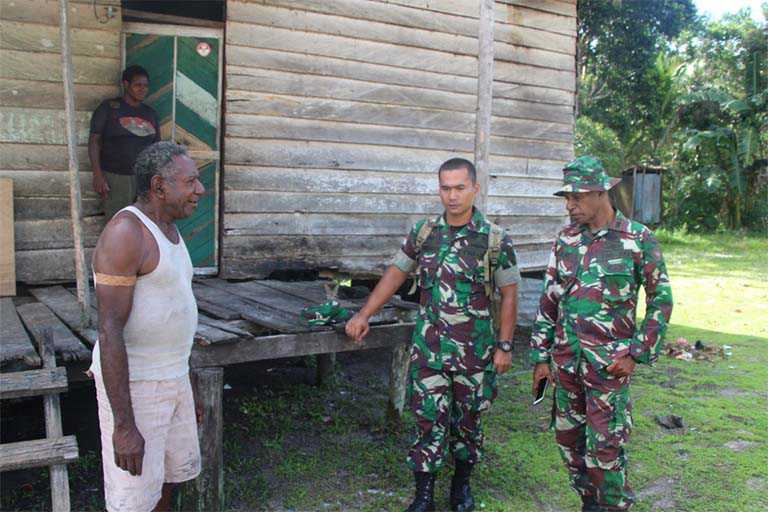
x,y
120,129
147,321
585,339
460,258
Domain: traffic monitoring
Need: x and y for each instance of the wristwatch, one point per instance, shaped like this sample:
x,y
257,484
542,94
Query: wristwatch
x,y
504,345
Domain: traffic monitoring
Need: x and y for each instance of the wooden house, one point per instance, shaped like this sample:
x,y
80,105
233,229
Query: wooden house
x,y
319,124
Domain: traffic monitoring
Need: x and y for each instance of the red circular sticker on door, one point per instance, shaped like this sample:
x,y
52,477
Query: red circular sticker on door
x,y
203,49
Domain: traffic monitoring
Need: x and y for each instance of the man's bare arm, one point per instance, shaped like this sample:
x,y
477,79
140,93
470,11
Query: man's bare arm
x,y
357,327
119,254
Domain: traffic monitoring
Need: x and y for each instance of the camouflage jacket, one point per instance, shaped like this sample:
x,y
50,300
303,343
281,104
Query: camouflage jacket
x,y
454,330
587,308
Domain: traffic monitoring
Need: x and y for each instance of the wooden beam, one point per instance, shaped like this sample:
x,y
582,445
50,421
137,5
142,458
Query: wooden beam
x,y
33,382
207,491
7,247
293,345
75,204
154,17
53,428
484,100
398,380
37,453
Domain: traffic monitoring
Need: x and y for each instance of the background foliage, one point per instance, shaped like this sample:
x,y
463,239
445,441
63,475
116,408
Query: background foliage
x,y
660,85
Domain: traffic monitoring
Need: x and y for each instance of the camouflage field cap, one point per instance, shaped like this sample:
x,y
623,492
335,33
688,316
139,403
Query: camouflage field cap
x,y
585,174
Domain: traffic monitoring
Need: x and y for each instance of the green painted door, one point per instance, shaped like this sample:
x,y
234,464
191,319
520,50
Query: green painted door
x,y
184,74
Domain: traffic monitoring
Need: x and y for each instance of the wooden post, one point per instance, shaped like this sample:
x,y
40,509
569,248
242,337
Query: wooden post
x,y
325,364
52,406
7,247
398,382
484,100
75,205
206,494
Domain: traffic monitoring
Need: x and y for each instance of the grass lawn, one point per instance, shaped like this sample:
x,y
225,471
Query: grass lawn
x,y
293,446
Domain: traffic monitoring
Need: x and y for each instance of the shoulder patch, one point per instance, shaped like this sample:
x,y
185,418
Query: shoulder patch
x,y
115,104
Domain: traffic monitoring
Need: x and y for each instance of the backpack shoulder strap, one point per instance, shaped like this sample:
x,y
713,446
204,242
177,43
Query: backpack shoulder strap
x,y
491,259
421,236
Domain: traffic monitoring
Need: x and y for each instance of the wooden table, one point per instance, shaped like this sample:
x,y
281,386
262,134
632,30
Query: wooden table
x,y
239,322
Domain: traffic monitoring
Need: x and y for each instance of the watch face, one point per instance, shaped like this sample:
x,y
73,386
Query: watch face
x,y
505,346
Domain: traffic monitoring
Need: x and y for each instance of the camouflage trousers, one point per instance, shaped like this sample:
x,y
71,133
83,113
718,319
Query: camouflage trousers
x,y
447,406
592,416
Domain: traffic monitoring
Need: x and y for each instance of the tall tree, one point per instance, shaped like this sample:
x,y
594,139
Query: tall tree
x,y
617,49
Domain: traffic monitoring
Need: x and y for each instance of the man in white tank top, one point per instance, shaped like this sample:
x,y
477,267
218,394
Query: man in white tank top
x,y
147,322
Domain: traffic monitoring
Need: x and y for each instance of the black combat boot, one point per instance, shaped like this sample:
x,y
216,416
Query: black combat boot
x,y
424,499
588,504
461,494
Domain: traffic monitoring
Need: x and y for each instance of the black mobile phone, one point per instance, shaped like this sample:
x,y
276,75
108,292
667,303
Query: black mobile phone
x,y
541,390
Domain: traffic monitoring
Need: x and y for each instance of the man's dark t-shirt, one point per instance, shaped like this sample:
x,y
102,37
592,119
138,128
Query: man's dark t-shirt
x,y
125,131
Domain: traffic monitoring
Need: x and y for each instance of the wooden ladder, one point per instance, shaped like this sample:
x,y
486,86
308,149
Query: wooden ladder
x,y
56,450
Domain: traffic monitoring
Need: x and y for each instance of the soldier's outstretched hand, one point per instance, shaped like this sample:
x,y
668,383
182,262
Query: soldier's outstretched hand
x,y
357,327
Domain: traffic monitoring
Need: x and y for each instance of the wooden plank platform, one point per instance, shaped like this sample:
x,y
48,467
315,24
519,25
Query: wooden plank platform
x,y
16,349
37,318
66,307
255,319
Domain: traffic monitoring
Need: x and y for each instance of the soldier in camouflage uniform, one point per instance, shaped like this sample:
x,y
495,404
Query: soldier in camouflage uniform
x,y
455,356
585,338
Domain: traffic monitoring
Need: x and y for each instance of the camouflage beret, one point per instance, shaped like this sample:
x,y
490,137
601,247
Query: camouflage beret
x,y
585,174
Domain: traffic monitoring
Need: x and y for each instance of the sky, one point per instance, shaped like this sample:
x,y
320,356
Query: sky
x,y
716,8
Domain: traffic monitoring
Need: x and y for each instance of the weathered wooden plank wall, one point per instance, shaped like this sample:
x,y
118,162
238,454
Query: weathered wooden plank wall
x,y
338,112
33,149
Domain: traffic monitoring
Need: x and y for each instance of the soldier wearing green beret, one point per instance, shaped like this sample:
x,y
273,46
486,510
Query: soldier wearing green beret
x,y
585,338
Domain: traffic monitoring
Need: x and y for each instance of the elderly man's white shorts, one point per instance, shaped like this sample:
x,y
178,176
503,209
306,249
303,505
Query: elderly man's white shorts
x,y
165,415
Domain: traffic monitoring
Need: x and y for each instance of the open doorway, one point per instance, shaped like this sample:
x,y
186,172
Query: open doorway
x,y
180,44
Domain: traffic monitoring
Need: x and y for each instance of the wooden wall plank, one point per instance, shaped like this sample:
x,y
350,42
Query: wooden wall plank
x,y
345,181
330,224
47,12
38,208
37,94
31,37
47,67
48,266
40,126
530,15
254,127
261,37
46,183
392,115
238,201
277,153
243,60
418,18
55,233
39,157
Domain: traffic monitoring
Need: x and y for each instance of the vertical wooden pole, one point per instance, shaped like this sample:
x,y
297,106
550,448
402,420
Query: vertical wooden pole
x,y
398,382
53,429
325,364
75,205
207,491
7,246
484,100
